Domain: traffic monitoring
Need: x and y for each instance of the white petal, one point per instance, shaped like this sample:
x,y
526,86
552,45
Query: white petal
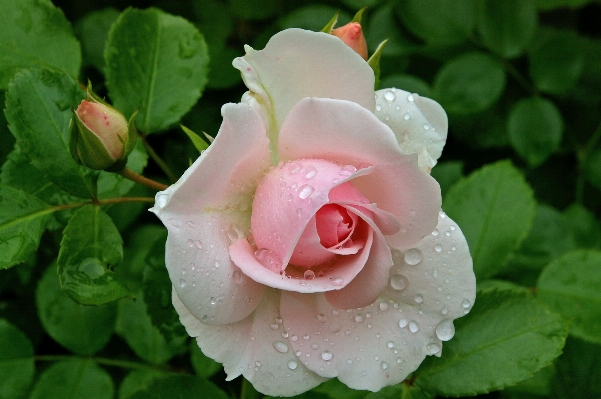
x,y
419,124
207,209
296,64
256,347
365,348
442,284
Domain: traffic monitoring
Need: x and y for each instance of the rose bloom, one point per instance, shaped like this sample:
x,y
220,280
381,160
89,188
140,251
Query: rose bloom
x,y
308,242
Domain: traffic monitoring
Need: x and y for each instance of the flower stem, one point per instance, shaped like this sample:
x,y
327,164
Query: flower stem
x,y
133,176
248,391
164,167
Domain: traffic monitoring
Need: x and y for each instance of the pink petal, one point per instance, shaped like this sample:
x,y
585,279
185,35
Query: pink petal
x,y
206,209
442,283
419,124
296,64
356,137
255,347
365,348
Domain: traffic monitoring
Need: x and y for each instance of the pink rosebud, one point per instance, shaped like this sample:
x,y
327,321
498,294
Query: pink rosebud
x,y
100,137
352,35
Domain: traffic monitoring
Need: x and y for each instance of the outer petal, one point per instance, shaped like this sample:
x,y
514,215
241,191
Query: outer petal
x,y
419,124
256,347
365,348
344,132
440,278
208,208
298,63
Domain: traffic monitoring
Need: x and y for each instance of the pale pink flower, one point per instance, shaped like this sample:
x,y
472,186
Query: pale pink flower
x,y
307,242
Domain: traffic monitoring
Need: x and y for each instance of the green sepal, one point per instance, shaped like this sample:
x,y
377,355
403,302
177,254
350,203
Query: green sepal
x,y
93,97
359,15
198,142
330,25
132,136
83,143
374,63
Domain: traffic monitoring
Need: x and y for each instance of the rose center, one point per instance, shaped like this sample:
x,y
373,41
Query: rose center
x,y
334,225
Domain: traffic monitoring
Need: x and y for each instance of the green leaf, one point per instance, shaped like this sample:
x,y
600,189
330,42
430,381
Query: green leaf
x,y
222,74
506,338
507,27
112,185
74,379
593,168
92,30
135,326
578,371
538,384
382,26
439,21
469,83
495,208
409,83
570,286
181,387
81,329
556,61
23,219
253,9
198,142
17,367
586,231
90,248
138,380
374,62
157,63
203,366
447,174
535,128
486,129
38,110
157,289
34,33
400,391
313,17
551,4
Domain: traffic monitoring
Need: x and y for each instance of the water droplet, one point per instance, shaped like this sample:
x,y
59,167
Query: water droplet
x,y
347,170
389,96
161,200
305,191
419,298
213,300
337,281
445,330
295,167
433,348
292,365
294,338
182,283
384,365
310,172
327,355
426,126
378,107
435,232
413,256
198,244
398,282
321,317
280,347
406,117
413,327
444,310
390,344
466,304
438,247
237,276
299,212
410,97
274,326
403,323
314,346
383,306
231,235
334,327
359,318
309,275
269,259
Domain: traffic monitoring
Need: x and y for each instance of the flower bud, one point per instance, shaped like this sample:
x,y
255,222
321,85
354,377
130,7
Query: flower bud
x,y
99,136
352,35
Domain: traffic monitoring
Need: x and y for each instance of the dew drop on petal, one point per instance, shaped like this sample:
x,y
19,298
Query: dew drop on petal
x,y
433,348
295,167
162,199
292,365
384,365
390,344
310,172
413,256
237,277
359,318
438,247
406,117
410,97
466,304
347,170
398,282
389,96
383,306
403,323
280,347
419,298
321,317
268,258
327,355
337,281
445,330
309,275
334,327
182,283
305,191
413,327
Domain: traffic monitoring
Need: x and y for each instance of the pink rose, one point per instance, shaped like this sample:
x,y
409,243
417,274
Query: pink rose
x,y
307,242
